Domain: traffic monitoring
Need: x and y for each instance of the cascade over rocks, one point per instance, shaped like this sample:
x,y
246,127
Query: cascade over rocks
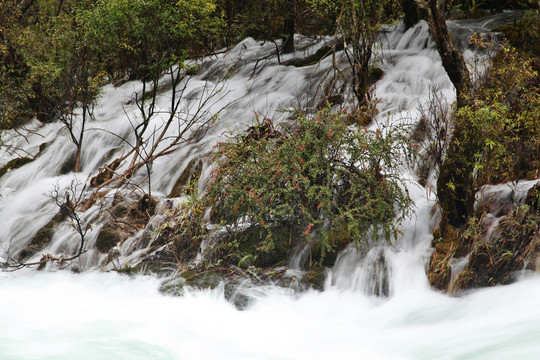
x,y
167,235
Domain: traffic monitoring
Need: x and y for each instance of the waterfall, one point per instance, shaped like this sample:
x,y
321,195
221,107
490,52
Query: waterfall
x,y
377,304
240,84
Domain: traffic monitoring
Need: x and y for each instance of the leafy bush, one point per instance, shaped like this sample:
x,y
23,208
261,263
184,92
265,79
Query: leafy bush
x,y
324,177
496,135
504,120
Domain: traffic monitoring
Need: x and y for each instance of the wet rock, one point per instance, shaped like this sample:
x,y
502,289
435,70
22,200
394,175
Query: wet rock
x,y
445,249
42,238
315,58
145,207
377,283
316,278
14,164
108,238
124,220
121,209
68,165
495,259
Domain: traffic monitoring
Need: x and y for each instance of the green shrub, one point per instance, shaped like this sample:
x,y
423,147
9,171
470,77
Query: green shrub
x,y
325,177
503,120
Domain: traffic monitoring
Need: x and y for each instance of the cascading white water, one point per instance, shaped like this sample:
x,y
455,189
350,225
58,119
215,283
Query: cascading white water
x,y
256,84
60,315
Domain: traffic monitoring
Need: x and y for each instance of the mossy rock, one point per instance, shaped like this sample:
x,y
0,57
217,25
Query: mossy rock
x,y
375,74
139,211
106,173
192,170
533,197
335,100
161,264
489,265
120,210
338,240
211,279
315,58
445,249
68,165
107,239
146,205
316,278
496,262
14,164
43,147
199,280
42,238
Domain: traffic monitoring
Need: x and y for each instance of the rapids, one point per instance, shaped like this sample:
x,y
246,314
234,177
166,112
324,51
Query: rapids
x,y
107,316
375,306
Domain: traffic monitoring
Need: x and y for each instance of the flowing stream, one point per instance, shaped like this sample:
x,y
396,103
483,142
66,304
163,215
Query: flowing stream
x,y
376,305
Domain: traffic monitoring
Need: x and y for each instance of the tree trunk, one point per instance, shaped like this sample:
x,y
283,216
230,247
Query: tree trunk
x,y
410,8
290,17
455,183
452,58
78,159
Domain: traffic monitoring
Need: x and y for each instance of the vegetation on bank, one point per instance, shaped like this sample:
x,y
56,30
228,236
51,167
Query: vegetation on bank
x,y
495,140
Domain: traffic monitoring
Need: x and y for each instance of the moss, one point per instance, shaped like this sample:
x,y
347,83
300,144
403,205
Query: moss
x,y
68,165
42,238
445,248
316,277
120,210
192,170
106,239
315,58
14,164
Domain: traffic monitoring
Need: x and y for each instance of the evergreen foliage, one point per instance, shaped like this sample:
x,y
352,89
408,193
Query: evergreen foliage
x,y
324,177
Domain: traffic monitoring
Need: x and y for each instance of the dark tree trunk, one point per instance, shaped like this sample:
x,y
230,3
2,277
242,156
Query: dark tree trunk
x,y
452,58
290,17
410,8
455,184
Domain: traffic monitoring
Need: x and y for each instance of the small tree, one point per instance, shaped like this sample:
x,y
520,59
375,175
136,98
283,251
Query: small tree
x,y
325,178
150,41
358,25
